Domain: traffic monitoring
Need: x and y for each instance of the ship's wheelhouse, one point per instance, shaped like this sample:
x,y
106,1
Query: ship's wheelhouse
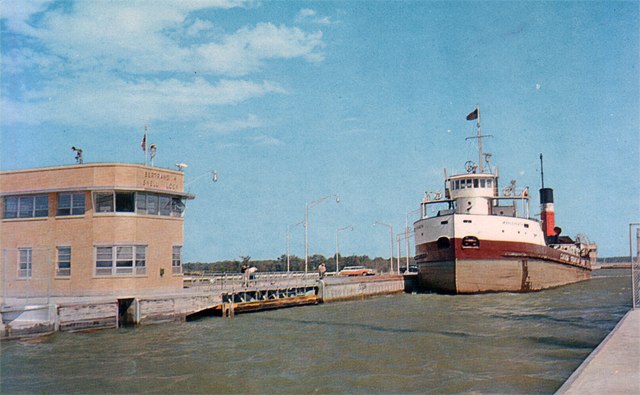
x,y
476,194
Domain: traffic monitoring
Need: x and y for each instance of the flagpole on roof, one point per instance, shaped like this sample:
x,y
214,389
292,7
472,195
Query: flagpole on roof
x,y
144,144
479,140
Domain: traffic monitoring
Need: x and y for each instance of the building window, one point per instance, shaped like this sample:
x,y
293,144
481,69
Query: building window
x,y
104,261
152,204
64,262
24,262
104,202
26,206
71,203
139,202
124,260
122,202
177,207
121,260
165,205
155,204
176,260
141,261
125,202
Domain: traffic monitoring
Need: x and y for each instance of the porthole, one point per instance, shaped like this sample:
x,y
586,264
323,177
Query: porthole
x,y
470,242
443,243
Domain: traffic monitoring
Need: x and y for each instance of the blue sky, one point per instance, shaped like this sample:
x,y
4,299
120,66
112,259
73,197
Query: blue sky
x,y
291,101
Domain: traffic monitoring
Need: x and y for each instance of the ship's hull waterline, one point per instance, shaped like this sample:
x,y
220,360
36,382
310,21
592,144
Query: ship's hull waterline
x,y
467,276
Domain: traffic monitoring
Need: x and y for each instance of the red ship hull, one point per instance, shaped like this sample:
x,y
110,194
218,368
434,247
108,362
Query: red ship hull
x,y
496,266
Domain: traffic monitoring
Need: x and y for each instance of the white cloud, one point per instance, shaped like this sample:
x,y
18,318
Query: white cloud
x,y
324,21
17,13
138,39
265,140
114,102
307,15
244,51
125,63
234,125
198,26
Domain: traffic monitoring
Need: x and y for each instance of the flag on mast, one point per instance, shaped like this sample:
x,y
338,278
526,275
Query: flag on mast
x,y
143,145
473,115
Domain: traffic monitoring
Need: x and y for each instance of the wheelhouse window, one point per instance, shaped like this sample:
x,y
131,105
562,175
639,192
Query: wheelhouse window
x,y
165,205
32,206
120,202
176,260
63,268
141,203
104,202
124,260
71,204
25,256
156,204
125,202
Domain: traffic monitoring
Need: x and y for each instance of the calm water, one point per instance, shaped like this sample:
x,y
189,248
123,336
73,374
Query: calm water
x,y
425,343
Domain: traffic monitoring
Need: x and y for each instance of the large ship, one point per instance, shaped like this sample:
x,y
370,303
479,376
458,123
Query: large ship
x,y
476,237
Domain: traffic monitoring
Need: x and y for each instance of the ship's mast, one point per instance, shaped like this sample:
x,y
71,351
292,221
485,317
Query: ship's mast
x,y
475,115
542,171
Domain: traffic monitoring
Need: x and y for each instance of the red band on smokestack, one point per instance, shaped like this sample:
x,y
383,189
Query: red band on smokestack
x,y
548,220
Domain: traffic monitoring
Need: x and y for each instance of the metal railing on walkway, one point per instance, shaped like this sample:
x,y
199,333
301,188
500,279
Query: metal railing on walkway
x,y
232,282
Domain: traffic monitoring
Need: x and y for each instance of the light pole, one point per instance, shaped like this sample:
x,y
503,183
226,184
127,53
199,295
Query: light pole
x,y
391,237
406,234
289,243
338,245
398,237
306,227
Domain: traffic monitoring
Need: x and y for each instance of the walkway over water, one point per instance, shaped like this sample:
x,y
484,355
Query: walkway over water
x,y
614,366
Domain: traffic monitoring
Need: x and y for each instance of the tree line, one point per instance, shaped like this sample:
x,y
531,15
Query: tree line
x,y
296,264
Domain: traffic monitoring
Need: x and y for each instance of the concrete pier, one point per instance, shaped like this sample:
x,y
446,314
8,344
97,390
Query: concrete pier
x,y
614,366
225,294
333,289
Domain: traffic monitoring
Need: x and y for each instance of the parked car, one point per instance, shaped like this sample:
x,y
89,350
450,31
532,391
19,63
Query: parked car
x,y
356,271
412,269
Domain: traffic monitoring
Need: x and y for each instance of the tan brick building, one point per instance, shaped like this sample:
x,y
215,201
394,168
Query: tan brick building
x,y
91,229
